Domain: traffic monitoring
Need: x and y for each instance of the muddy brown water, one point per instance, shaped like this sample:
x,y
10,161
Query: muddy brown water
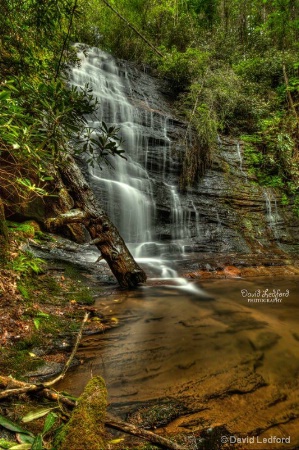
x,y
229,355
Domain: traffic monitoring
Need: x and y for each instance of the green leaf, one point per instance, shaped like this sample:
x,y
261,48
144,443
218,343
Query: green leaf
x,y
42,314
71,397
4,95
9,425
6,444
21,447
116,441
38,443
36,323
33,415
24,438
49,422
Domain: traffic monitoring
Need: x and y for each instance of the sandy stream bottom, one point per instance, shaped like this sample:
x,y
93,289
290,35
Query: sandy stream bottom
x,y
226,355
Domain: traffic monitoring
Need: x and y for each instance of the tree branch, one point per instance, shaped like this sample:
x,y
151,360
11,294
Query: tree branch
x,y
140,432
133,28
72,355
72,216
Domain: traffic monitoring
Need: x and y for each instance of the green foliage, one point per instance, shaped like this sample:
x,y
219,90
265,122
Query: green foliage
x,y
198,152
26,438
273,155
284,199
42,117
9,425
98,143
37,124
213,104
225,58
26,263
32,35
183,67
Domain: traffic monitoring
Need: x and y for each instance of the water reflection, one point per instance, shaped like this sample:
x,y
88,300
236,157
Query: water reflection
x,y
219,351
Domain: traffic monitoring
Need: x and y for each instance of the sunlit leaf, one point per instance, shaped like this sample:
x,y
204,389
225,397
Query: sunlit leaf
x,y
6,444
33,415
24,438
21,447
36,323
116,441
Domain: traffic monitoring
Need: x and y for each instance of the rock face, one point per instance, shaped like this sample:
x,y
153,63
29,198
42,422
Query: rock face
x,y
226,212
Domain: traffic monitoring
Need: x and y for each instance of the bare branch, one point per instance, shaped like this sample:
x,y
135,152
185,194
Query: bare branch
x,y
133,28
72,355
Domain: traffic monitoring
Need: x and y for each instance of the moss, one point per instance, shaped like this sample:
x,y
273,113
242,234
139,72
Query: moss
x,y
226,167
83,296
284,199
85,428
248,224
24,229
18,362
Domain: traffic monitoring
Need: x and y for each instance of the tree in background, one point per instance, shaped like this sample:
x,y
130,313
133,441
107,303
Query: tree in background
x,y
234,67
40,113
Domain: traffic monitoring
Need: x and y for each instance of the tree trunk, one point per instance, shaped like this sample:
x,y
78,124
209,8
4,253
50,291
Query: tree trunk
x,y
3,226
102,231
3,235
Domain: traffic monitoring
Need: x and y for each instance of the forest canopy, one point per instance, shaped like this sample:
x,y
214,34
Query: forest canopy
x,y
233,66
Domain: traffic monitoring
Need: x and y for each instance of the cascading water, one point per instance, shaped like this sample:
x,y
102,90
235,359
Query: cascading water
x,y
272,215
126,188
141,194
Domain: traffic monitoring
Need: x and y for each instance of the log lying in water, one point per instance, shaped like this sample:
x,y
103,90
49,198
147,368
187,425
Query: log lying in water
x,y
103,232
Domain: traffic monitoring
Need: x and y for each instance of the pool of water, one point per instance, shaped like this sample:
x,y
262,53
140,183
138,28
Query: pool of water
x,y
229,353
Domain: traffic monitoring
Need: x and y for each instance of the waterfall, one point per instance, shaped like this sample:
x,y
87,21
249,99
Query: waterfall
x,y
141,194
239,156
126,188
272,215
240,159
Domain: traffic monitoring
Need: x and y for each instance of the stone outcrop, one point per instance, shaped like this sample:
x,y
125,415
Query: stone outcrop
x,y
226,211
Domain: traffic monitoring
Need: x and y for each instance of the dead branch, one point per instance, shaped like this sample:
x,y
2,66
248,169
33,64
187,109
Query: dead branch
x,y
154,438
19,391
133,28
72,216
72,355
15,387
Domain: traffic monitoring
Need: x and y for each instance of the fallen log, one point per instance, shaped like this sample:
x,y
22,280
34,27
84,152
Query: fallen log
x,y
103,232
141,433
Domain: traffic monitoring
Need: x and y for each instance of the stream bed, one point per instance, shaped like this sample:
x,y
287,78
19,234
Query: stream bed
x,y
225,356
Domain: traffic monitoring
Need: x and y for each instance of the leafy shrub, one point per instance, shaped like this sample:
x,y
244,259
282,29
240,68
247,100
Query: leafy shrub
x,y
26,263
183,67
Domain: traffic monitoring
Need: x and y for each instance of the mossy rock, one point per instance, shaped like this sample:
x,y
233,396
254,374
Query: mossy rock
x,y
85,428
